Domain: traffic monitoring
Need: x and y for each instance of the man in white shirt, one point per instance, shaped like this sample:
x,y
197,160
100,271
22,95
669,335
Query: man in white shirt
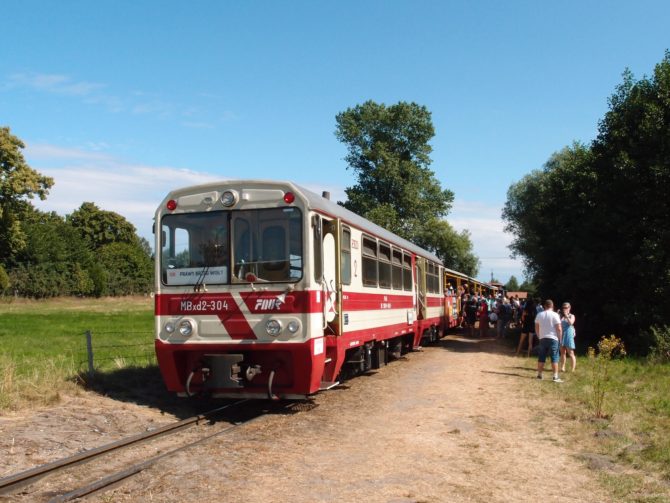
x,y
548,329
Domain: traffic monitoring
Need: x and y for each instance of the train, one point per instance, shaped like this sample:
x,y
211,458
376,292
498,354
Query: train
x,y
264,289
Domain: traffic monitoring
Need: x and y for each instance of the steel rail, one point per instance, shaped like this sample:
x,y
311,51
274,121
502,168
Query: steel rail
x,y
21,479
115,479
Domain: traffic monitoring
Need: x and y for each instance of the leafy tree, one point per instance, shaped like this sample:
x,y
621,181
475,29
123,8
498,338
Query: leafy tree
x,y
388,150
512,285
55,260
454,248
128,269
593,226
4,280
528,286
18,183
100,227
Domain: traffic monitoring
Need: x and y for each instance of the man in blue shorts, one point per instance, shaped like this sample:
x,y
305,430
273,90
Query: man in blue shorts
x,y
548,329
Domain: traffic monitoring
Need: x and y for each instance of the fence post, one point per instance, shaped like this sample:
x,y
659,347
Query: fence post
x,y
89,349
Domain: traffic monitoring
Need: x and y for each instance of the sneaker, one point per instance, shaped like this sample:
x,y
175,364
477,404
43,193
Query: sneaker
x,y
539,376
557,379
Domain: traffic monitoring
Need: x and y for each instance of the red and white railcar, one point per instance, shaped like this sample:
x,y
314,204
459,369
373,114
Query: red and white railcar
x,y
265,289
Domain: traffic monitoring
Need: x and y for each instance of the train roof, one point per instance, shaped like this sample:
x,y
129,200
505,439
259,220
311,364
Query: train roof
x,y
320,203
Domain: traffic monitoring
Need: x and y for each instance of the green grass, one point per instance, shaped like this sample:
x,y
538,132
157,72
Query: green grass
x,y
634,433
43,343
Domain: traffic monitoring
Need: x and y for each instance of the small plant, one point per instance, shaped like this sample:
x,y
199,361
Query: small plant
x,y
608,348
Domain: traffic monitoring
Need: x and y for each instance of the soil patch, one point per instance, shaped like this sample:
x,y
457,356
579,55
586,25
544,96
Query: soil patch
x,y
461,421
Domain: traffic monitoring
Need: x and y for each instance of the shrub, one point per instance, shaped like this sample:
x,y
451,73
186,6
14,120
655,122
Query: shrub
x,y
608,348
660,344
4,280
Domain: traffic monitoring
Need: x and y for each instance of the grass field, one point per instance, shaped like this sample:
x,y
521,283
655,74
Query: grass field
x,y
43,343
43,351
633,436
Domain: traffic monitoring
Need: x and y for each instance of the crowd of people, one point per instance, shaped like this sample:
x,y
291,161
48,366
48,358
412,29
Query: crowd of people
x,y
554,331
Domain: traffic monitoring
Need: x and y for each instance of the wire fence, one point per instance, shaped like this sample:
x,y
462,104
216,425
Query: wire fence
x,y
107,351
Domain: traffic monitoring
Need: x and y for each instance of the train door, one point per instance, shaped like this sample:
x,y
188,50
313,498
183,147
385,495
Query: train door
x,y
420,288
327,243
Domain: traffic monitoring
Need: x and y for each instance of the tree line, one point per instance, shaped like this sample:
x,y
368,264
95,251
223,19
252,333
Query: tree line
x,y
90,252
593,226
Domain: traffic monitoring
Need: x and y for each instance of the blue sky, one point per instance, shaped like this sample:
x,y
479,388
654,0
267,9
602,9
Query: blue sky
x,y
122,101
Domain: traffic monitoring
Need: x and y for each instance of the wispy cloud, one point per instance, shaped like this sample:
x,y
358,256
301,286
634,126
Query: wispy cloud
x,y
207,112
490,241
53,152
54,83
130,189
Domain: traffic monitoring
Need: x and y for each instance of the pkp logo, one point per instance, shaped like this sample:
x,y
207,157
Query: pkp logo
x,y
268,304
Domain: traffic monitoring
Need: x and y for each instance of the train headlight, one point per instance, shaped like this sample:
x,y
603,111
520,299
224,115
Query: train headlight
x,y
169,327
228,198
273,327
293,326
185,328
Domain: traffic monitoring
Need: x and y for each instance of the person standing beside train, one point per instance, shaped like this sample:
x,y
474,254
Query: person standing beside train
x,y
548,329
483,314
568,344
527,325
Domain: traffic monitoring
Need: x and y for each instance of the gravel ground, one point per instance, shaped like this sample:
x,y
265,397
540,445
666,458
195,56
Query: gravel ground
x,y
462,421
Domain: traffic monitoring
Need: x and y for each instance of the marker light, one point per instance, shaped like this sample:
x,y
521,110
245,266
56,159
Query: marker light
x,y
171,205
289,197
228,198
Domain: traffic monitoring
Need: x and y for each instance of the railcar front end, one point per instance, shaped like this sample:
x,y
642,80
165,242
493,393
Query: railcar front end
x,y
236,315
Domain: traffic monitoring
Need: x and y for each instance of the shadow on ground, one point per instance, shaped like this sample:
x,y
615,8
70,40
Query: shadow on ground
x,y
144,386
462,342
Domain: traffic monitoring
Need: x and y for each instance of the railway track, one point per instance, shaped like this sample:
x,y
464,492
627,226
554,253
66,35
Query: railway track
x,y
21,480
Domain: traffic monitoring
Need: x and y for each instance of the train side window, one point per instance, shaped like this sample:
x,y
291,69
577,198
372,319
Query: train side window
x,y
318,253
384,265
346,256
396,272
434,278
369,260
407,271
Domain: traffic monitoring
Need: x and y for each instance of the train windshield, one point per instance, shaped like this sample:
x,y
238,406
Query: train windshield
x,y
245,246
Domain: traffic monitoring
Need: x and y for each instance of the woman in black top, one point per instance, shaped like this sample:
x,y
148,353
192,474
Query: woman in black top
x,y
527,325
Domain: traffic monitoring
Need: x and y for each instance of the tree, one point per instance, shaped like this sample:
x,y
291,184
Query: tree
x,y
593,226
18,183
528,286
55,261
4,280
454,248
124,265
388,150
512,285
128,269
100,227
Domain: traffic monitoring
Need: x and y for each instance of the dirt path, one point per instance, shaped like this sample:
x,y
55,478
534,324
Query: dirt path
x,y
458,422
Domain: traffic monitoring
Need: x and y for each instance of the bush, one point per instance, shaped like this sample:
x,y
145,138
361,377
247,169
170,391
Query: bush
x,y
660,344
4,280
